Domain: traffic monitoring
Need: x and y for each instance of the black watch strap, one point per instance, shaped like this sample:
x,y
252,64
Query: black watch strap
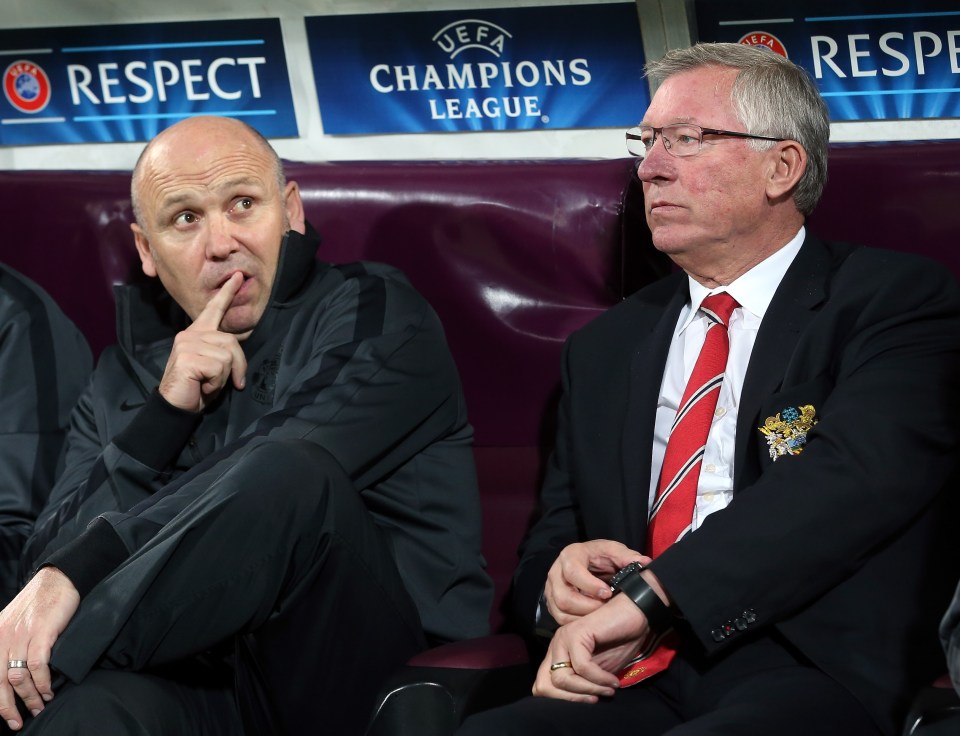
x,y
629,582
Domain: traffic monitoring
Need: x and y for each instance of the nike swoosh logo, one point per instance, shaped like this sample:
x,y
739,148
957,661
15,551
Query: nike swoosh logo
x,y
127,406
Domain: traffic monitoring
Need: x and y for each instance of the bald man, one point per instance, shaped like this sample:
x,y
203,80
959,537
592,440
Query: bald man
x,y
269,501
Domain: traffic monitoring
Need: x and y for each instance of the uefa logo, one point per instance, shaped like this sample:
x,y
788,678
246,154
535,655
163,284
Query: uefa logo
x,y
26,86
471,34
765,40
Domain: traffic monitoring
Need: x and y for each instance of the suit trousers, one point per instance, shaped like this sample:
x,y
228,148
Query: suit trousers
x,y
277,575
760,688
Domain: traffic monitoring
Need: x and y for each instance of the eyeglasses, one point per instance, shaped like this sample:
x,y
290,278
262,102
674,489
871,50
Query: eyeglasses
x,y
680,139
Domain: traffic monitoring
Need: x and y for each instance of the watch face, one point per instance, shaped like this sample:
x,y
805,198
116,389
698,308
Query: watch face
x,y
623,573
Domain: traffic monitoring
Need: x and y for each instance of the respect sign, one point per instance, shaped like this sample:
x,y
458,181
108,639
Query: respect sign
x,y
129,82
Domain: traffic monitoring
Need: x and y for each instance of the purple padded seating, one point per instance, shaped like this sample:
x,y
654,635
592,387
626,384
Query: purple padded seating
x,y
514,256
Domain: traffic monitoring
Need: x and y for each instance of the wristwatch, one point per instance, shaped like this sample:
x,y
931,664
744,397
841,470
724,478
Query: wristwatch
x,y
628,581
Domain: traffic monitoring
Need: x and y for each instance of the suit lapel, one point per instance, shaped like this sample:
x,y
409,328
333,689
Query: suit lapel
x,y
794,304
646,375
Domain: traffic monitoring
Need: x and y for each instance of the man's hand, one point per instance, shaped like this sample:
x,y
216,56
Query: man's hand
x,y
203,358
29,626
577,582
593,648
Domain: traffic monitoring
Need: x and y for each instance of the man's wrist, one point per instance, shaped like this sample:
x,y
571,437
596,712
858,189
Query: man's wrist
x,y
630,582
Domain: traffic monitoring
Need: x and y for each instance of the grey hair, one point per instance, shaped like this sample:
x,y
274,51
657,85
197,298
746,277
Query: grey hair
x,y
138,170
771,96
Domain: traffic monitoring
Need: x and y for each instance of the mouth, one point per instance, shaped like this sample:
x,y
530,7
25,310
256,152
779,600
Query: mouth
x,y
663,206
227,276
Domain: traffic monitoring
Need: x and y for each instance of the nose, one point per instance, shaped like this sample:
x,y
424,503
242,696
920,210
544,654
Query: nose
x,y
221,240
657,164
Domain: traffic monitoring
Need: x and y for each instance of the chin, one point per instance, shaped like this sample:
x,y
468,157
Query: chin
x,y
241,324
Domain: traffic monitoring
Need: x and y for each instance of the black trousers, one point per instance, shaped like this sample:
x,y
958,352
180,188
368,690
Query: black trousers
x,y
760,689
272,601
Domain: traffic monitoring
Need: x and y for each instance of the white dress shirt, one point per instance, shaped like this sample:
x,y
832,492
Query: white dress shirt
x,y
753,291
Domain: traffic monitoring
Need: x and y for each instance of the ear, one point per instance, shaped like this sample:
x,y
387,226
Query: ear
x,y
143,250
294,207
789,161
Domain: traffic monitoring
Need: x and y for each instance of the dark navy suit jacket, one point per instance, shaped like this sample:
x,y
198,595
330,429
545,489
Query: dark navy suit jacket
x,y
840,548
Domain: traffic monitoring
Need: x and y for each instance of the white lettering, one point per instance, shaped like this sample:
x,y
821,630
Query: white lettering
x,y
918,47
106,82
453,108
189,78
534,74
483,75
215,84
952,43
404,76
487,72
252,62
856,54
488,107
375,81
579,72
135,84
554,73
890,51
129,71
163,83
431,80
828,57
462,79
446,44
80,85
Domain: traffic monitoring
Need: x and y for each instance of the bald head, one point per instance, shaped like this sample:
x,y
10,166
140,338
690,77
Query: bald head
x,y
195,130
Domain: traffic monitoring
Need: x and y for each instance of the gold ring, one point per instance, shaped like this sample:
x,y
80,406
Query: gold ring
x,y
560,665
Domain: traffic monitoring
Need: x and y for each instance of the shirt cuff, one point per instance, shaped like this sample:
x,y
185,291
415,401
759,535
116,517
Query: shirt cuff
x,y
89,558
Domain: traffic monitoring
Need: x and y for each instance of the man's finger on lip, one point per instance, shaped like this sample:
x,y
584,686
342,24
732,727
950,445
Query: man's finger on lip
x,y
212,314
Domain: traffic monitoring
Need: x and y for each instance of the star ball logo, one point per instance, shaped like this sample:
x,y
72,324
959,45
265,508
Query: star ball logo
x,y
765,40
26,86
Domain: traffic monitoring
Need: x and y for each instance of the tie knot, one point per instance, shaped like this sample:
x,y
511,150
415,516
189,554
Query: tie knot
x,y
719,307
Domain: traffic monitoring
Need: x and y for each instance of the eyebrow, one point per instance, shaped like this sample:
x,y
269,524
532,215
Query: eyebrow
x,y
182,196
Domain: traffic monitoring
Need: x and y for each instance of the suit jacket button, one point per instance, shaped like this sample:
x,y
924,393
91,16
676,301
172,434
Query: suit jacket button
x,y
741,624
718,635
750,616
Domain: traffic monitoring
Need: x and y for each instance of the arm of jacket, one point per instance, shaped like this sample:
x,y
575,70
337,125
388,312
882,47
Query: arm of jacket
x,y
113,459
371,380
44,365
879,361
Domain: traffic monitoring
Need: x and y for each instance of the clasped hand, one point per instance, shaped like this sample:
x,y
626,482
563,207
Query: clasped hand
x,y
599,633
203,357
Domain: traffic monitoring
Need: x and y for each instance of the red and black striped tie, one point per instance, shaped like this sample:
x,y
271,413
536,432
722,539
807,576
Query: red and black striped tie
x,y
672,512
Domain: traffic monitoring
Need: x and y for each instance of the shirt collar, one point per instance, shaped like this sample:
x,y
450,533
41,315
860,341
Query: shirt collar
x,y
754,289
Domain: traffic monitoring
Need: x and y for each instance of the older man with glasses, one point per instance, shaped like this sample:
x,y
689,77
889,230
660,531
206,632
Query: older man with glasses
x,y
741,514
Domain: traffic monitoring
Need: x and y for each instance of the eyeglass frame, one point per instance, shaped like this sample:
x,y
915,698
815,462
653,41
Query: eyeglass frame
x,y
658,133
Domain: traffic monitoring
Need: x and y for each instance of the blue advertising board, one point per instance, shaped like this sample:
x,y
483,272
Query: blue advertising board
x,y
87,84
572,66
871,59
